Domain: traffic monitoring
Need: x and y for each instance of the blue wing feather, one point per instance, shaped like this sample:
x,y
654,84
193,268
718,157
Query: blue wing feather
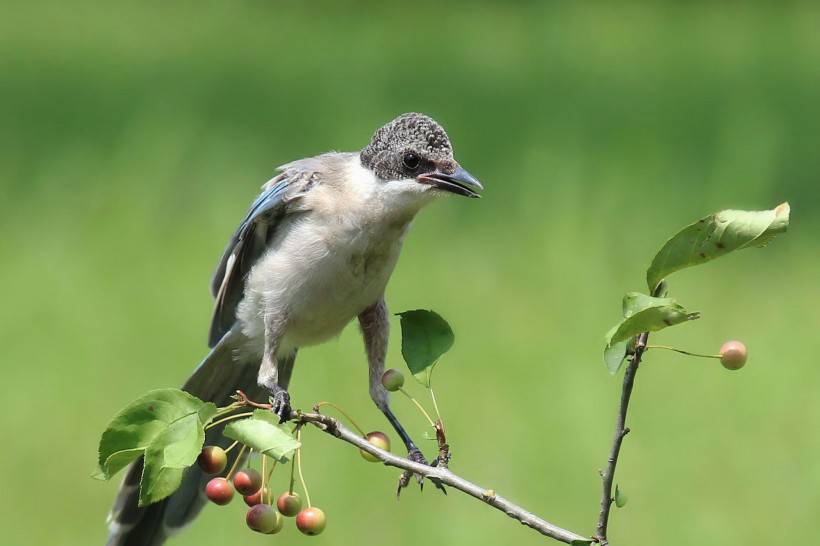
x,y
246,245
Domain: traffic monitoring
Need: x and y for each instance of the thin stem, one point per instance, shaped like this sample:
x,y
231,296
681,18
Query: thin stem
x,y
435,404
299,464
264,483
228,418
267,481
419,406
230,447
343,412
236,462
681,351
292,469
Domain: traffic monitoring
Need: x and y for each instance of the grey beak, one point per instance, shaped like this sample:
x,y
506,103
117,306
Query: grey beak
x,y
460,182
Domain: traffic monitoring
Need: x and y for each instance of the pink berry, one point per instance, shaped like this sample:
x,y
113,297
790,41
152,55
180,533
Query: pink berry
x,y
733,355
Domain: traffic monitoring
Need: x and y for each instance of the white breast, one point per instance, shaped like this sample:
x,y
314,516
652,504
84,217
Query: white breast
x,y
327,264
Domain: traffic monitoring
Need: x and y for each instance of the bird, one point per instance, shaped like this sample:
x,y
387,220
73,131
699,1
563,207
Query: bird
x,y
314,251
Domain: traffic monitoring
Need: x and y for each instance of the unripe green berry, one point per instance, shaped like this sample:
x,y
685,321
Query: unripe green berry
x,y
733,355
289,504
378,439
392,380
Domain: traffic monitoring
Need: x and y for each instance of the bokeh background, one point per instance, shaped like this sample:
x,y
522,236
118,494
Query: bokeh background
x,y
133,136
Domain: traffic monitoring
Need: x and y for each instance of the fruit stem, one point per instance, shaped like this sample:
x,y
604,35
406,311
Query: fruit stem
x,y
435,404
419,406
262,491
267,481
236,462
228,418
343,412
292,470
681,351
299,464
230,447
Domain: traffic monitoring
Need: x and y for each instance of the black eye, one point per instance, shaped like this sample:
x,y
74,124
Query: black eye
x,y
411,161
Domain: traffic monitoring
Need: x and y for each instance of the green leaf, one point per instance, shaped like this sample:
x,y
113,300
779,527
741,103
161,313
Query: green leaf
x,y
642,313
581,542
170,453
620,498
425,336
715,236
263,433
136,426
615,356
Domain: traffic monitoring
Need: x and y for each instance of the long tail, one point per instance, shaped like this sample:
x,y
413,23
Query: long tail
x,y
215,380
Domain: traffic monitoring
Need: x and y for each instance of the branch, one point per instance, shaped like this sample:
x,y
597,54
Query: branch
x,y
608,475
334,428
621,430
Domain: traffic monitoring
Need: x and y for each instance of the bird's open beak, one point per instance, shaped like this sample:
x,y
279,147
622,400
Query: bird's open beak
x,y
460,182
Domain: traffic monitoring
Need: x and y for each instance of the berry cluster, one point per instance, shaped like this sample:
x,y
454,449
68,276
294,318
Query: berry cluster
x,y
261,517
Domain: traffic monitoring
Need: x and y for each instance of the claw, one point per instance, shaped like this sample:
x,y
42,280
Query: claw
x,y
280,405
416,456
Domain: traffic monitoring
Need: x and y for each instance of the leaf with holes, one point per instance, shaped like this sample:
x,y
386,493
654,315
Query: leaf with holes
x,y
715,236
642,313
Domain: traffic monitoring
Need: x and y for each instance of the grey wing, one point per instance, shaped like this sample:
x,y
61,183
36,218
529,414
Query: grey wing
x,y
245,247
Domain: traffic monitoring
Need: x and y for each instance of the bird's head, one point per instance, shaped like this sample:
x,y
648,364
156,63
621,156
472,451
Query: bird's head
x,y
414,152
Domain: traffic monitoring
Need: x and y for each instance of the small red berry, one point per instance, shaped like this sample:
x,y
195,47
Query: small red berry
x,y
378,439
257,498
733,355
219,491
311,521
212,460
247,481
289,504
262,518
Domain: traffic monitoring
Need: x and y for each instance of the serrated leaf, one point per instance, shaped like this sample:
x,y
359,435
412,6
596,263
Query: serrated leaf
x,y
642,313
133,429
425,336
620,498
263,433
166,458
715,236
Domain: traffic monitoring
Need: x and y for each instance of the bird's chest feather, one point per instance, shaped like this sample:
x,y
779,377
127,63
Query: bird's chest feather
x,y
321,275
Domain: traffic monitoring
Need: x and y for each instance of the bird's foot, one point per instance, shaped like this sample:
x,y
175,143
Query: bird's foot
x,y
415,455
280,405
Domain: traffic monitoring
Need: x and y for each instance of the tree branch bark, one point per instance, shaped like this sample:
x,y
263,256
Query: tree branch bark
x,y
488,496
608,474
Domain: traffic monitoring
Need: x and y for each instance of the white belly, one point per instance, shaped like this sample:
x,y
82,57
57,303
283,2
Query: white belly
x,y
316,278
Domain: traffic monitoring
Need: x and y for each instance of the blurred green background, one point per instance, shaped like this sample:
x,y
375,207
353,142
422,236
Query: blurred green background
x,y
134,135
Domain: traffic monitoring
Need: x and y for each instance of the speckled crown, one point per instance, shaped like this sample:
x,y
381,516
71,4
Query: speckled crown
x,y
408,132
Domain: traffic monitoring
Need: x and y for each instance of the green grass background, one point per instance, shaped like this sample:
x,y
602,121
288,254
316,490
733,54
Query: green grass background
x,y
133,136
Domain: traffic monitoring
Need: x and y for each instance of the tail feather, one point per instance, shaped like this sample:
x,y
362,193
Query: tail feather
x,y
216,379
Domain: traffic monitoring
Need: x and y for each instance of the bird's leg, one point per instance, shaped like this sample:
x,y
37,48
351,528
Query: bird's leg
x,y
375,330
269,370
